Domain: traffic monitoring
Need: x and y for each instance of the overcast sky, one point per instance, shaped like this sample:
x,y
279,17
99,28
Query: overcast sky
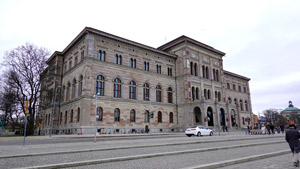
x,y
261,39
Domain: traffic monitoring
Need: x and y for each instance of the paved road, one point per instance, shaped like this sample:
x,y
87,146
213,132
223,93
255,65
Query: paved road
x,y
155,145
278,162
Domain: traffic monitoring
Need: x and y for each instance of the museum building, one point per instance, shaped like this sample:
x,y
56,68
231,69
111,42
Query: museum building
x,y
118,84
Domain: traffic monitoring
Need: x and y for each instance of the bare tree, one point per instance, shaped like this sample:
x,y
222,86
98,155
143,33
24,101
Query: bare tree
x,y
24,65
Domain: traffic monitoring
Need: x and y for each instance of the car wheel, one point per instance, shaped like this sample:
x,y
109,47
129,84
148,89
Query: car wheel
x,y
198,134
211,133
189,135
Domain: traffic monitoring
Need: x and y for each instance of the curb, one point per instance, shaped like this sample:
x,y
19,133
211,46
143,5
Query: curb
x,y
239,160
101,161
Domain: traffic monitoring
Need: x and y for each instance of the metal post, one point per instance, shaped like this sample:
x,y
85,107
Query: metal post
x,y
219,122
150,117
52,116
95,139
25,129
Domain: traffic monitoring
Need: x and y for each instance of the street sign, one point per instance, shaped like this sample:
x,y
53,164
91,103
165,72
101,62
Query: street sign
x,y
26,108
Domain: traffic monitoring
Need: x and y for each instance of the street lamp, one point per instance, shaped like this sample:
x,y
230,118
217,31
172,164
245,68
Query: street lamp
x,y
52,116
150,114
96,115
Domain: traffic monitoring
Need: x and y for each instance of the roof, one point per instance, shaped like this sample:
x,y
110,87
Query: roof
x,y
184,38
291,109
88,30
236,75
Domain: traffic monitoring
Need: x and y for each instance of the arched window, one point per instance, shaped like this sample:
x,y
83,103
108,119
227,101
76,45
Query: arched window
x,y
100,113
101,55
214,74
171,117
195,69
78,114
132,90
117,115
146,92
66,117
197,93
146,66
132,115
147,116
207,73
203,71
71,118
205,94
170,95
117,88
132,63
241,104
74,89
208,95
118,59
158,93
217,75
216,95
219,96
158,69
100,85
68,92
193,93
191,66
159,116
80,85
246,105
82,55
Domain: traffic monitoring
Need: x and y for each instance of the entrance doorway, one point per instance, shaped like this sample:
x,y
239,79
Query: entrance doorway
x,y
210,115
197,114
222,117
233,118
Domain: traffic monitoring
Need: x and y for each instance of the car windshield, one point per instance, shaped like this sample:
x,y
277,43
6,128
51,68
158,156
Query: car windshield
x,y
194,127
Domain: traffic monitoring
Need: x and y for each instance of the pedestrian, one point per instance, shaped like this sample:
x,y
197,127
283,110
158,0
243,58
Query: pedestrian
x,y
248,127
292,137
282,128
278,130
263,130
272,128
268,128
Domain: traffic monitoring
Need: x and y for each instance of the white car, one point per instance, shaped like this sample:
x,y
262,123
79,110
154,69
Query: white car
x,y
198,131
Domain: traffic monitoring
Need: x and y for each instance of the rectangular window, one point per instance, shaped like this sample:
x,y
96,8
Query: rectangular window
x,y
240,89
82,55
169,71
245,89
233,87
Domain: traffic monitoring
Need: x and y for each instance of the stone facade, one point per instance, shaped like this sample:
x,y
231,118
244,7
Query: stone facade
x,y
185,80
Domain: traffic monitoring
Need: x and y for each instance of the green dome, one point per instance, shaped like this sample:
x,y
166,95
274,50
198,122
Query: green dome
x,y
291,109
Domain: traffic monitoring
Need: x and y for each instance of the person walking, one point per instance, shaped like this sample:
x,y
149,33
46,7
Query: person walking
x,y
282,128
292,137
268,128
272,128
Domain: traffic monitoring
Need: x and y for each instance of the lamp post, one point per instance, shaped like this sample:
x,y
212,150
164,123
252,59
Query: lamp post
x,y
52,116
96,116
150,114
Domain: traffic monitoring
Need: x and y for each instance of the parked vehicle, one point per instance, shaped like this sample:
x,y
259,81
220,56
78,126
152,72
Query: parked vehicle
x,y
198,131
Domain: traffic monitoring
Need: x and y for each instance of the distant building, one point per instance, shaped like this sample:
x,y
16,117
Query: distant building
x,y
291,112
182,83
